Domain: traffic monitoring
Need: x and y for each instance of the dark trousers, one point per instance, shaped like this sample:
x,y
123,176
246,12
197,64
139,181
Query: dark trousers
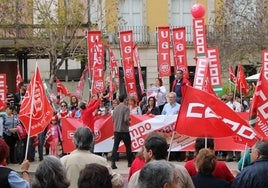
x,y
11,142
125,136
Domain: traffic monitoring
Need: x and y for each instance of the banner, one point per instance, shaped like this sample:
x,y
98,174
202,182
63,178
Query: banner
x,y
35,111
214,69
3,91
126,44
92,37
201,73
200,41
98,85
179,50
138,62
201,117
163,51
141,126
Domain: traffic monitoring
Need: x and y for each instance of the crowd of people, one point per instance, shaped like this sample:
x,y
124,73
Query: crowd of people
x,y
83,168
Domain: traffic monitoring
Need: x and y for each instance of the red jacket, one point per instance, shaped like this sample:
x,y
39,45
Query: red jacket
x,y
220,171
87,114
184,82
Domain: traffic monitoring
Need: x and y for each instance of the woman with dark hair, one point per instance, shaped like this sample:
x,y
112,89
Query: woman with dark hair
x,y
205,164
151,108
50,173
95,176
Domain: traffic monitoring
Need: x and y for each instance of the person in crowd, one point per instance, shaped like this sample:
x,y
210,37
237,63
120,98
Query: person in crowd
x,y
205,164
133,107
10,121
50,173
255,174
74,101
172,107
137,164
102,109
224,98
245,160
95,175
178,83
161,93
18,97
114,105
121,121
8,177
81,156
158,174
10,99
78,113
220,171
237,107
151,109
53,136
156,148
88,113
64,111
233,104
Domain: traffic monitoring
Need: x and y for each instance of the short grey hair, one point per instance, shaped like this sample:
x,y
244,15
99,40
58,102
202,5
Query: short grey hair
x,y
50,173
173,93
156,174
83,138
262,148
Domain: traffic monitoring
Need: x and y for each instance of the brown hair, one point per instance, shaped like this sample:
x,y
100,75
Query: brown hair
x,y
160,81
205,161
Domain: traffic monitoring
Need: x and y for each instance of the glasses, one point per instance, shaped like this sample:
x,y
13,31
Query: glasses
x,y
224,99
63,105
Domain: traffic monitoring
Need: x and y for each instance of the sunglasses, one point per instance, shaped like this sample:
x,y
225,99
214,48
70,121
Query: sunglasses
x,y
63,105
224,99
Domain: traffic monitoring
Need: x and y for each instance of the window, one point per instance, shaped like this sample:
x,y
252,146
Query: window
x,y
130,12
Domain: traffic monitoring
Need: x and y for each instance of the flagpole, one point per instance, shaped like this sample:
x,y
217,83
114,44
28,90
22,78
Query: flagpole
x,y
170,145
31,112
244,156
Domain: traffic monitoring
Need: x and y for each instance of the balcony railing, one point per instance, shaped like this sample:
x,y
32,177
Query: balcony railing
x,y
143,36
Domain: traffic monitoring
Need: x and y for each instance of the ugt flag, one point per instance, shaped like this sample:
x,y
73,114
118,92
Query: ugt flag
x,y
35,111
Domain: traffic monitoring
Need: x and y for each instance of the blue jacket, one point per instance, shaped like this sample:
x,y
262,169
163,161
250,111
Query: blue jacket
x,y
254,175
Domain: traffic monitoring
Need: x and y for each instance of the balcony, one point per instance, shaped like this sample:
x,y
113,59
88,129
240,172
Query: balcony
x,y
17,35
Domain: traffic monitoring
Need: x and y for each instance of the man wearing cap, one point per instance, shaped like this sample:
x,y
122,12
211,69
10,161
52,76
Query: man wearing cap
x,y
256,174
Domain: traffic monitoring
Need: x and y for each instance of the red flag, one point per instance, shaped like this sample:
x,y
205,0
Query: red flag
x,y
2,105
163,51
137,59
126,45
35,112
242,84
18,78
179,50
98,85
200,117
81,83
3,91
232,76
62,89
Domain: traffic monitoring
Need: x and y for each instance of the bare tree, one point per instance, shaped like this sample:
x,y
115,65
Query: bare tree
x,y
239,29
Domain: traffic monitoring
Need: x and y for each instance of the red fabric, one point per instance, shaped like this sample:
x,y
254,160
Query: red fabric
x,y
242,84
2,105
221,170
184,82
62,89
35,107
136,165
87,114
199,117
